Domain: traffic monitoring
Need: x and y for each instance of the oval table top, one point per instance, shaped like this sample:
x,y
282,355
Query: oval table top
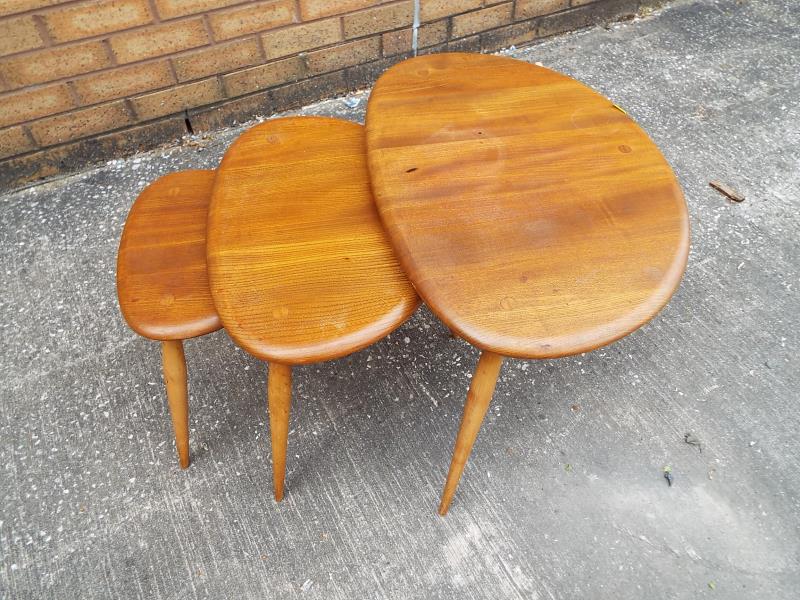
x,y
300,267
533,216
162,282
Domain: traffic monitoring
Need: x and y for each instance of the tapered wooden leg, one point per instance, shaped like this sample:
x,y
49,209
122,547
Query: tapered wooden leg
x,y
279,397
177,395
480,394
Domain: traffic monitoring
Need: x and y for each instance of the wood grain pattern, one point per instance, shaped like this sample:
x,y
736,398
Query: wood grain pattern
x,y
162,282
299,264
533,216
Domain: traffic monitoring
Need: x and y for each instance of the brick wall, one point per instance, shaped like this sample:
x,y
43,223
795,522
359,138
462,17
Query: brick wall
x,y
87,80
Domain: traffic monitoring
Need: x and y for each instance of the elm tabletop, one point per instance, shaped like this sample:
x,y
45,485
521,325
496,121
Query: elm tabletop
x,y
161,267
532,215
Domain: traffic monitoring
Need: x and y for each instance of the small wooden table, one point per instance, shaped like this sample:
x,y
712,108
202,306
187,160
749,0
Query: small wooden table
x,y
533,216
300,268
162,283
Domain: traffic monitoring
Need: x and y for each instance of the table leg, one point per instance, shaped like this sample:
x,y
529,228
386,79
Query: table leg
x,y
480,394
279,397
174,363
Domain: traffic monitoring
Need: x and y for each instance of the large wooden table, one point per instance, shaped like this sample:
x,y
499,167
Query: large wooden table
x,y
532,215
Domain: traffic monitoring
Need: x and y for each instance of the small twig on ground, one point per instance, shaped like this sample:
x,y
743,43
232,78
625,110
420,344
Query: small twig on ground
x,y
726,190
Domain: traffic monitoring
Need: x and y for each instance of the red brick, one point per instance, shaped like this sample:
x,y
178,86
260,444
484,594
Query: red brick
x,y
376,20
298,38
12,7
314,9
522,32
19,34
124,81
429,34
467,44
231,112
177,99
82,123
575,18
54,63
221,58
96,18
396,42
527,9
32,104
89,151
159,40
365,74
253,17
481,20
344,55
432,10
308,90
14,141
169,9
264,76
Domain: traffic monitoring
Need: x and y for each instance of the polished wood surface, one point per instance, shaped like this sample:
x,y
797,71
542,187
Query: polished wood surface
x,y
533,216
300,268
161,266
479,396
177,395
279,398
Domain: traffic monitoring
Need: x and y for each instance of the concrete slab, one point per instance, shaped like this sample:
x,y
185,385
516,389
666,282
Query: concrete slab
x,y
564,496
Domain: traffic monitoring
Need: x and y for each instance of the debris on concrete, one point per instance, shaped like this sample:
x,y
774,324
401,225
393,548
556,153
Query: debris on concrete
x,y
306,585
668,475
200,142
351,102
726,190
693,440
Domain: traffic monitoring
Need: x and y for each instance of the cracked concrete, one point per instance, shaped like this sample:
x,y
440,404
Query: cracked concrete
x,y
564,496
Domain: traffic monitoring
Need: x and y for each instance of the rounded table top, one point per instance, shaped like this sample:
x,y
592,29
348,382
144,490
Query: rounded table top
x,y
162,282
533,216
300,267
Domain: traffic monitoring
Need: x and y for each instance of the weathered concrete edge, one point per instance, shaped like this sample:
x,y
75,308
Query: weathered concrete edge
x,y
39,166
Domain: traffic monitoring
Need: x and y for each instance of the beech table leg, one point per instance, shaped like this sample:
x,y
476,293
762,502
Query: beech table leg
x,y
279,397
177,395
480,394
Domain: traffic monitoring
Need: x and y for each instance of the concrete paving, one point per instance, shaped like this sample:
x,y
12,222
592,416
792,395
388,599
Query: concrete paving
x,y
564,496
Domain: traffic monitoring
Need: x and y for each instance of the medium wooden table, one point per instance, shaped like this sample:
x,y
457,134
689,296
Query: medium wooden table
x,y
533,216
300,268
